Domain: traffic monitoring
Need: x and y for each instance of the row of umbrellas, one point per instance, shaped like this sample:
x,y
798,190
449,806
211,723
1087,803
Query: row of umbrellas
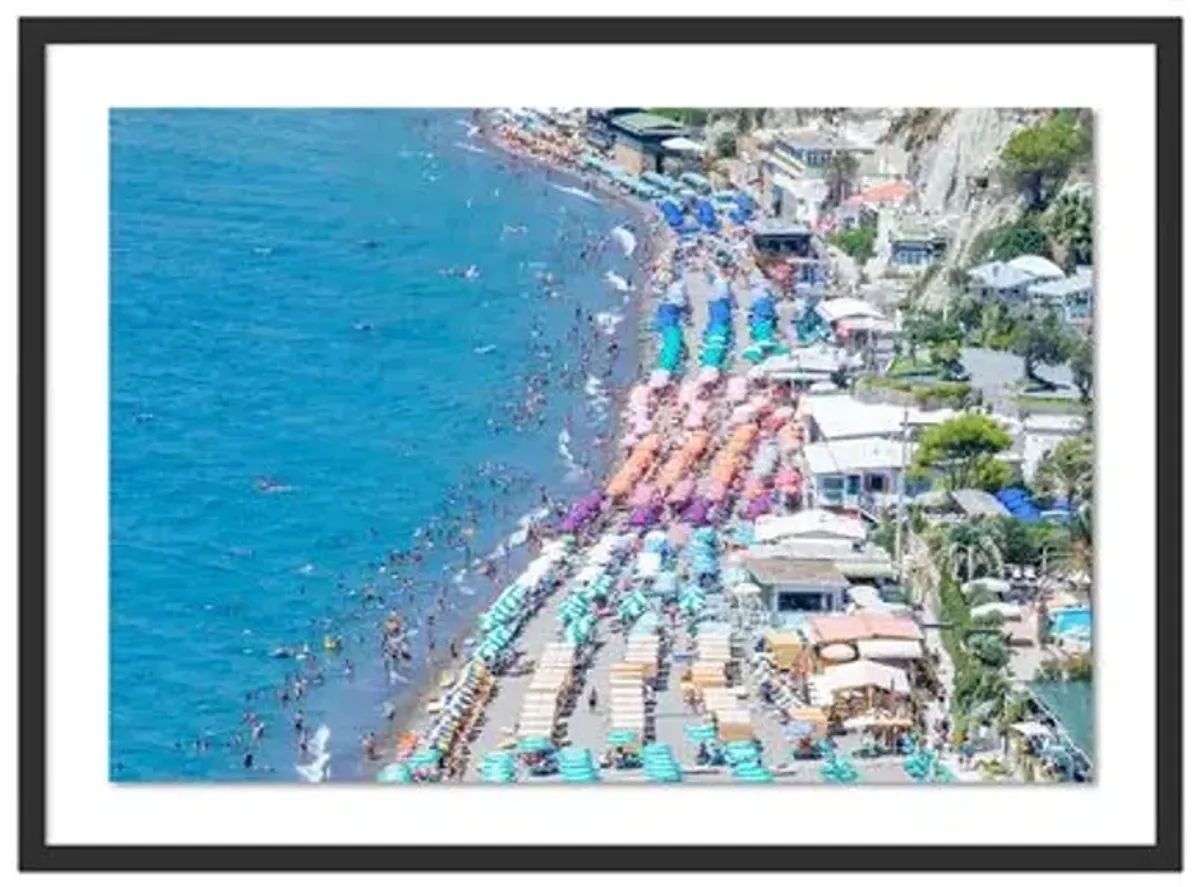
x,y
577,765
703,553
501,622
583,512
658,760
499,767
745,758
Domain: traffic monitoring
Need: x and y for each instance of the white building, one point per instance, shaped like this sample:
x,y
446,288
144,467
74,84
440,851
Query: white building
x,y
841,416
1041,433
856,320
850,472
1070,297
794,588
813,523
1010,281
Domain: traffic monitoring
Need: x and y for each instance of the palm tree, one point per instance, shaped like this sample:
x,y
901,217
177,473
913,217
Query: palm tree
x,y
969,545
1068,472
1069,224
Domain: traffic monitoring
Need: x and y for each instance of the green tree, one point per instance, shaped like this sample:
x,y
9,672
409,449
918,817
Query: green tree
x,y
1068,472
1028,544
858,243
726,144
959,448
1039,157
1069,224
988,649
970,545
1081,366
996,325
922,328
1040,339
1009,241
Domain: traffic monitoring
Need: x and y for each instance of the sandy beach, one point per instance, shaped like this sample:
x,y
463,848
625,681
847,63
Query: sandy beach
x,y
408,707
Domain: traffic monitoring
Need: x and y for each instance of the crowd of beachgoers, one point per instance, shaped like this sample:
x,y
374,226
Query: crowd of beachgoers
x,y
620,648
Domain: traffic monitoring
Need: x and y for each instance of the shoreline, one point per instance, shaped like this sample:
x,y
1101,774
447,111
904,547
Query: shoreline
x,y
408,706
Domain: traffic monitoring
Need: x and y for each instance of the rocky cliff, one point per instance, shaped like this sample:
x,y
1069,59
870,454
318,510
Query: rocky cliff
x,y
953,159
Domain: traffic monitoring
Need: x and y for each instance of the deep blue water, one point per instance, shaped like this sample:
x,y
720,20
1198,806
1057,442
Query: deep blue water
x,y
280,314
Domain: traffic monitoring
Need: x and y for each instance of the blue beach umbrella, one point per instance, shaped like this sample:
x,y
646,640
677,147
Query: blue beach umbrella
x,y
394,773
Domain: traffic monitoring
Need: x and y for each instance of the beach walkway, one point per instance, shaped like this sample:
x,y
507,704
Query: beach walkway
x,y
505,708
586,728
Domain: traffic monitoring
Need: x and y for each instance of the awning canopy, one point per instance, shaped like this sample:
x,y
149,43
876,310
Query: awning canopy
x,y
683,145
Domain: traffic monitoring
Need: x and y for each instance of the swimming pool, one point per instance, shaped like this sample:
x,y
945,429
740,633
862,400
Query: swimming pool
x,y
1071,621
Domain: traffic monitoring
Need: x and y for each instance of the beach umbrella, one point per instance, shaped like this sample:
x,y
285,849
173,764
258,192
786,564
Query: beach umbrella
x,y
535,745
838,653
757,507
394,773
756,773
617,738
644,496
696,513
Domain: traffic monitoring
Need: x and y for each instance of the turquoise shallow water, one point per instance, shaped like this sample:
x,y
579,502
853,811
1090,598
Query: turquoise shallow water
x,y
296,387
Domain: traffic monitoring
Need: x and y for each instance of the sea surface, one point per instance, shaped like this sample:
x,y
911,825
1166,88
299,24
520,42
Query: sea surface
x,y
315,314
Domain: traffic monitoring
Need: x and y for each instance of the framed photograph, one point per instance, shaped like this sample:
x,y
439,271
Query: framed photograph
x,y
540,436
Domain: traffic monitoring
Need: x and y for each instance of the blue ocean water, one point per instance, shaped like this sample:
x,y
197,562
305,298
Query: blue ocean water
x,y
301,373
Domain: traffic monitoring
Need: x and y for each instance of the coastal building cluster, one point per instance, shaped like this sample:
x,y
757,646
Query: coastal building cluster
x,y
745,597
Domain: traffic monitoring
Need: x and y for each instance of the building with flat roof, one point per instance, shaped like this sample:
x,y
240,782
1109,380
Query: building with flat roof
x,y
851,473
775,239
638,140
914,244
793,586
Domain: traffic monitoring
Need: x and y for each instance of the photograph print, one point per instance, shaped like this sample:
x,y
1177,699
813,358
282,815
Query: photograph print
x,y
602,445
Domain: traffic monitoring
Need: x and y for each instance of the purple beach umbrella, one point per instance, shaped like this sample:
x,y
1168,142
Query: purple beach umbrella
x,y
696,513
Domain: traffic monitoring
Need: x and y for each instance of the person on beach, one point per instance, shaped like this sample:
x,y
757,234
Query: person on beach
x,y
593,700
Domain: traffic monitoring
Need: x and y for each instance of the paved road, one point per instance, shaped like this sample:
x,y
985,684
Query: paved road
x,y
994,372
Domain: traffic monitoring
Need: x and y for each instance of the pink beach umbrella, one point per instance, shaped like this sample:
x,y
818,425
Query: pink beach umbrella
x,y
643,496
788,480
659,379
709,375
696,415
735,391
682,491
687,392
743,414
717,492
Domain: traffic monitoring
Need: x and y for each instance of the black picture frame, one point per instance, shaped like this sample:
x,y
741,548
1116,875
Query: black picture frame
x,y
38,34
